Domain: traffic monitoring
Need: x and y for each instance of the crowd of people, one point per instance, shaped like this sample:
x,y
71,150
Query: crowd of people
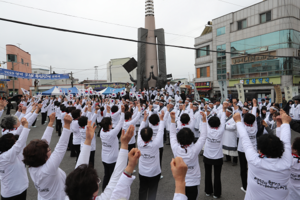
x,y
134,130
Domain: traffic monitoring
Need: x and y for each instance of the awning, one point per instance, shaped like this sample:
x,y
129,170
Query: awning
x,y
203,89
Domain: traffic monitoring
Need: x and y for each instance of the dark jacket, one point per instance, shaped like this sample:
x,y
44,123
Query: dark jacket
x,y
260,127
295,125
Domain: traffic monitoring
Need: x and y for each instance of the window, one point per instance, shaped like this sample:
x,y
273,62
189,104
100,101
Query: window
x,y
221,31
203,72
201,53
265,17
22,60
242,24
221,62
11,58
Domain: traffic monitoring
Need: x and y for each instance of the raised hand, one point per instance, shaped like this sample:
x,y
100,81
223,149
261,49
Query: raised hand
x,y
161,116
172,115
179,169
284,117
145,115
125,138
24,122
237,117
68,120
254,102
52,119
203,116
90,132
133,157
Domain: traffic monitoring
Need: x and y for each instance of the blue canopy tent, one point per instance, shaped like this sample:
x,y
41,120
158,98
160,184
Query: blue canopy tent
x,y
74,90
52,91
110,90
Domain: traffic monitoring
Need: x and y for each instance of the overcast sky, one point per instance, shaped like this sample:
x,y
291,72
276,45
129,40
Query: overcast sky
x,y
67,52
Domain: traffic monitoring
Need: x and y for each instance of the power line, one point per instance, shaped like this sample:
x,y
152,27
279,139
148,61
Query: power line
x,y
101,21
118,38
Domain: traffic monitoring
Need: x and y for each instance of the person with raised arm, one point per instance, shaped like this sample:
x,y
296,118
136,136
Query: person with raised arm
x,y
13,174
83,182
183,145
213,154
149,167
43,165
268,166
110,144
179,170
251,127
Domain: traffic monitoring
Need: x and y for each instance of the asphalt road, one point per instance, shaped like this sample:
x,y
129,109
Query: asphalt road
x,y
231,182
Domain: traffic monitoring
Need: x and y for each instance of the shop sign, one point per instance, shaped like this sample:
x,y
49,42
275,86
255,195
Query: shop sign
x,y
256,81
101,86
202,85
254,58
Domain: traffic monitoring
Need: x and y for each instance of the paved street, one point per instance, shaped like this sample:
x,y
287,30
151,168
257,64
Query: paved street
x,y
231,182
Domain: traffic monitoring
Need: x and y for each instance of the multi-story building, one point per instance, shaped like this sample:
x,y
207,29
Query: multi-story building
x,y
18,60
117,73
257,46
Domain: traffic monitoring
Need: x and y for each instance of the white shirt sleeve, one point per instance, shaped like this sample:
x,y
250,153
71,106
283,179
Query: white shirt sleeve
x,y
159,137
18,147
84,155
31,119
48,134
201,141
56,157
179,196
122,189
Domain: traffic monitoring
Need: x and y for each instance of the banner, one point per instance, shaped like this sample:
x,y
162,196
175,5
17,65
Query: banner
x,y
240,89
288,92
18,74
223,89
278,94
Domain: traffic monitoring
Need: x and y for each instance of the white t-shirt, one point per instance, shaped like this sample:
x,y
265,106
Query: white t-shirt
x,y
49,179
133,121
213,145
149,161
110,143
13,173
230,135
294,183
189,154
76,133
268,178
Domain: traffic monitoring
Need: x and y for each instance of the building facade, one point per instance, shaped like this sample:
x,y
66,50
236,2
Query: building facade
x,y
117,73
257,46
18,60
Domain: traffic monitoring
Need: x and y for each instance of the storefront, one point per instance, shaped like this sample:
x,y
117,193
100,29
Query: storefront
x,y
259,88
204,88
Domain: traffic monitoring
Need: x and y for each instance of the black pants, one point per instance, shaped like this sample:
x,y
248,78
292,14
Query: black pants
x,y
56,124
161,152
76,148
21,196
34,122
209,188
191,192
228,158
131,146
59,126
148,187
108,170
92,159
44,116
243,169
70,146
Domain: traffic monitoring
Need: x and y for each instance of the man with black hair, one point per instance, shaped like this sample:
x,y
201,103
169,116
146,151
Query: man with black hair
x,y
131,120
186,119
218,107
249,120
183,145
177,96
269,118
230,138
149,167
269,167
76,114
268,105
177,86
213,155
169,88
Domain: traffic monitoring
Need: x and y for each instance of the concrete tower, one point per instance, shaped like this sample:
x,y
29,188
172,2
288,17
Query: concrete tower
x,y
151,53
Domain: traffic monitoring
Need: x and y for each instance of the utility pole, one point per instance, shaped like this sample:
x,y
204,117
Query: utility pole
x,y
72,78
13,78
